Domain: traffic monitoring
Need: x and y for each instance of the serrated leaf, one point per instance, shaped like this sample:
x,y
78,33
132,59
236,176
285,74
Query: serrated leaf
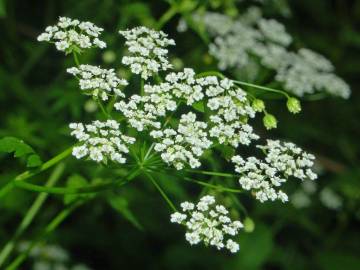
x,y
121,205
75,181
20,149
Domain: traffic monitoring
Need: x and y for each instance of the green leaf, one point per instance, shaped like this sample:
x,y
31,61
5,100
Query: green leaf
x,y
20,149
121,205
199,106
75,181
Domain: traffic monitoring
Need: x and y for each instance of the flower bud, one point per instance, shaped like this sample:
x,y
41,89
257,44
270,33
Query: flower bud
x,y
293,105
258,105
249,225
269,121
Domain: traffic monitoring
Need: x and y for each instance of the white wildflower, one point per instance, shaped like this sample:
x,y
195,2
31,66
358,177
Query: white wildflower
x,y
264,178
148,53
208,223
71,35
101,141
98,82
184,145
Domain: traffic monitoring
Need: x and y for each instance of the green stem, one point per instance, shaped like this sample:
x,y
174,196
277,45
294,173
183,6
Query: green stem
x,y
163,194
27,174
263,88
221,174
48,229
142,82
31,213
57,221
210,73
171,12
81,190
76,59
103,110
221,188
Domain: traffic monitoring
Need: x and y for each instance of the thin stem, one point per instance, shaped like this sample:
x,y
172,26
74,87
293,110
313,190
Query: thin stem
x,y
142,82
163,194
212,173
211,185
76,59
48,229
81,190
210,73
171,12
262,88
31,213
27,174
103,110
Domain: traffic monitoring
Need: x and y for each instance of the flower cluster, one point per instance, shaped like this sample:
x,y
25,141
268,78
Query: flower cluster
x,y
209,223
231,110
264,177
101,141
184,145
251,38
98,82
148,53
72,35
140,112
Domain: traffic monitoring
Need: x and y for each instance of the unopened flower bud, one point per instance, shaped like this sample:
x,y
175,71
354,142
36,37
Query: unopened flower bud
x,y
293,105
269,121
258,105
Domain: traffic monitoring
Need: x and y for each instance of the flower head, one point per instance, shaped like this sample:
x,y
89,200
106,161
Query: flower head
x,y
209,223
72,35
101,141
147,48
98,82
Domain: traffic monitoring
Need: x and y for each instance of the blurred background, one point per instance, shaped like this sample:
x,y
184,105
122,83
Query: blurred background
x,y
317,229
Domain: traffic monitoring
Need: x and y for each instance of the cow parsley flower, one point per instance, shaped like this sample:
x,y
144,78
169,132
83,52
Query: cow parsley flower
x,y
140,112
70,35
231,110
98,82
101,141
265,177
148,53
209,223
184,145
242,42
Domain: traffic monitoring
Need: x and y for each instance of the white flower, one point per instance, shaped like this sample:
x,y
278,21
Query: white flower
x,y
148,53
208,223
265,177
98,82
237,41
69,35
101,141
184,145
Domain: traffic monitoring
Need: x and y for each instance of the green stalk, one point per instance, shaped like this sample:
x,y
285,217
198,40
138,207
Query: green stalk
x,y
161,191
171,12
56,222
263,88
221,174
205,184
142,82
31,213
27,174
76,59
48,229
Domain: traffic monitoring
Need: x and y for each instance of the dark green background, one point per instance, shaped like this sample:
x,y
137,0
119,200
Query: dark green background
x,y
38,99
